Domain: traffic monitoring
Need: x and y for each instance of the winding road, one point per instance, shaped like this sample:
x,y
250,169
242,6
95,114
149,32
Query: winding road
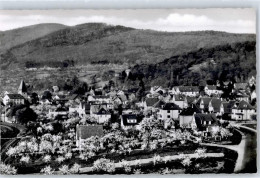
x,y
246,149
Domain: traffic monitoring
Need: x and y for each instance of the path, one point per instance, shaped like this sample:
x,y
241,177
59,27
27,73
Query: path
x,y
151,160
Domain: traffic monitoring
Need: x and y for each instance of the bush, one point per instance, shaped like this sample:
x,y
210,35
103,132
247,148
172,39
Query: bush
x,y
103,164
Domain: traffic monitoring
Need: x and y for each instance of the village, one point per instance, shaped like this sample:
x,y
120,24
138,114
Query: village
x,y
108,131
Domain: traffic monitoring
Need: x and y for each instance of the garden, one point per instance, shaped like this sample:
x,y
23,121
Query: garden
x,y
152,148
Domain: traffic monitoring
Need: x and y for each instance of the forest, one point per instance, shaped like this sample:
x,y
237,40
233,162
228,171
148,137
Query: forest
x,y
231,62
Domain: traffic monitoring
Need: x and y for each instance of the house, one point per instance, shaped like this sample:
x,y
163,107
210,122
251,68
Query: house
x,y
129,121
84,132
212,90
203,103
242,111
14,99
62,112
189,90
214,105
175,90
226,109
22,90
205,122
186,116
241,96
180,101
102,116
169,110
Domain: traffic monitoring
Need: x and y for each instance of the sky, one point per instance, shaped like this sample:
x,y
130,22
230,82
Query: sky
x,y
172,20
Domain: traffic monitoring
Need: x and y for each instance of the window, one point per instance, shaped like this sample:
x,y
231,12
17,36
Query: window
x,y
168,111
168,116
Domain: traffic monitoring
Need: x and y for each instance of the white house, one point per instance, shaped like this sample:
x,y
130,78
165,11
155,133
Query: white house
x,y
129,121
212,90
169,111
242,111
189,90
102,116
13,98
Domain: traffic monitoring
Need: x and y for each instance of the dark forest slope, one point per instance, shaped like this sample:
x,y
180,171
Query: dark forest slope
x,y
235,61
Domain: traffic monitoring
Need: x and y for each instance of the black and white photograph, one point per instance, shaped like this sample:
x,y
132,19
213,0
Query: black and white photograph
x,y
128,91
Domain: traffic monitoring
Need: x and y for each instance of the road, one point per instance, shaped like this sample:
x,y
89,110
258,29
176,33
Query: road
x,y
246,149
12,142
250,152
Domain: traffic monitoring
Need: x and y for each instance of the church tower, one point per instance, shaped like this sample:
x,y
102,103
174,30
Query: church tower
x,y
22,89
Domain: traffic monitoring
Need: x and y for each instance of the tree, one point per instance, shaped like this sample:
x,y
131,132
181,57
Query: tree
x,y
34,98
7,169
25,114
47,170
75,168
64,169
103,164
47,95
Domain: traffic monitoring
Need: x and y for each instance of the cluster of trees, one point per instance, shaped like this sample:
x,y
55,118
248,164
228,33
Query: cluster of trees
x,y
23,113
54,64
227,62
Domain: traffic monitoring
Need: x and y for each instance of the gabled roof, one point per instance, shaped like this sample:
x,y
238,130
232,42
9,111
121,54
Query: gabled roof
x,y
151,101
216,103
228,106
245,105
96,107
22,87
15,96
171,106
73,96
190,100
205,100
87,131
103,111
159,104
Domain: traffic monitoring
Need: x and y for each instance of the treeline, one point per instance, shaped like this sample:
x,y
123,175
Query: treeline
x,y
236,62
53,64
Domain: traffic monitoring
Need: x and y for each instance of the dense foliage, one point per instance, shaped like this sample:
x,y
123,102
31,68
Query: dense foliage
x,y
235,62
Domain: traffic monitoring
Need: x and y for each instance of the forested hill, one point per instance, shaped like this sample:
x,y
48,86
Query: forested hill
x,y
11,38
95,43
235,61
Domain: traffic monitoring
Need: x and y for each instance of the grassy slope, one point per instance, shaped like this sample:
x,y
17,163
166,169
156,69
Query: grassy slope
x,y
94,42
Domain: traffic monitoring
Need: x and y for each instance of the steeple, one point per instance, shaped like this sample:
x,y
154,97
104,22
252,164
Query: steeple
x,y
22,88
